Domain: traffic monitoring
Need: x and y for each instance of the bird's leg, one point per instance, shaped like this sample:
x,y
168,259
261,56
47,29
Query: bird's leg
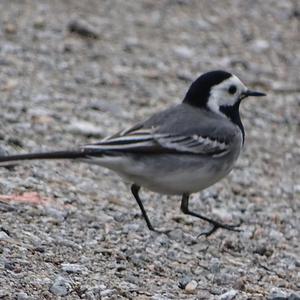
x,y
185,209
135,191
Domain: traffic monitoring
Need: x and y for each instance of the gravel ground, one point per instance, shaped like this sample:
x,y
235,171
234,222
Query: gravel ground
x,y
75,71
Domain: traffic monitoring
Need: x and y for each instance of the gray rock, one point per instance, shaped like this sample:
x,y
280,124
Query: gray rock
x,y
4,294
277,294
230,295
191,286
83,29
22,296
4,236
85,128
106,293
56,213
188,284
3,152
260,46
60,287
184,52
72,268
215,265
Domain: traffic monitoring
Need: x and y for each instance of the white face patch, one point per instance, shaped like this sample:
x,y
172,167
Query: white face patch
x,y
220,95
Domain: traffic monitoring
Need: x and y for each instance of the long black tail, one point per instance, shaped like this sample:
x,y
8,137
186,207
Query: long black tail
x,y
11,159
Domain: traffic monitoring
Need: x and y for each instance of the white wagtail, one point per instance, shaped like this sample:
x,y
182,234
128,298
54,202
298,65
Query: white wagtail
x,y
178,151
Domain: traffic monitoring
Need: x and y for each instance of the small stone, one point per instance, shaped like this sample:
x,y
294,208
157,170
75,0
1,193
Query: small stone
x,y
105,106
42,119
22,296
4,236
60,287
83,29
3,294
215,265
228,295
55,213
191,286
188,284
202,25
9,85
277,294
39,23
294,297
89,296
10,28
240,284
106,293
3,152
85,128
131,43
184,52
297,188
72,268
259,46
263,250
276,235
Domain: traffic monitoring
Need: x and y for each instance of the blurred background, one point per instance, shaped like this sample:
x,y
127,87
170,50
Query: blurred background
x,y
72,72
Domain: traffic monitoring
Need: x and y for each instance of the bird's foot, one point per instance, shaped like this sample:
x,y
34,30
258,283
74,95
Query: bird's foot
x,y
161,231
217,225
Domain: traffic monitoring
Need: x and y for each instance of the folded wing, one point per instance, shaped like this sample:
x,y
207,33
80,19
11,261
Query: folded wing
x,y
150,140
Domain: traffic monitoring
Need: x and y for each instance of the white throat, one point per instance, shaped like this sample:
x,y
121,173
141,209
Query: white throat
x,y
219,95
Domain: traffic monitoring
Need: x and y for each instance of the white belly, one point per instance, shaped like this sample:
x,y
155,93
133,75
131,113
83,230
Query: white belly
x,y
169,174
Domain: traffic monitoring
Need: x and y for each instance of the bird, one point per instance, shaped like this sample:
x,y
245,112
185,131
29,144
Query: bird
x,y
180,150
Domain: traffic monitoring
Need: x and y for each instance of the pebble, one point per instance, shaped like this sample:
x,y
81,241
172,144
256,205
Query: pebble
x,y
263,250
191,286
85,128
215,265
105,106
22,296
55,213
3,294
10,28
240,283
202,25
276,235
3,152
230,295
106,292
188,284
39,23
83,29
4,236
72,268
277,294
184,52
259,46
297,188
60,287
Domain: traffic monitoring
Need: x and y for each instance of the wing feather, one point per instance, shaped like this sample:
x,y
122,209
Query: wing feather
x,y
150,140
194,144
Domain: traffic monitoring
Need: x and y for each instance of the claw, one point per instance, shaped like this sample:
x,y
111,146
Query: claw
x,y
217,225
166,231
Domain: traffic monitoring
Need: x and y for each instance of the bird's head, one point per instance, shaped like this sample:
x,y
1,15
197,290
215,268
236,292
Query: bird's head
x,y
220,92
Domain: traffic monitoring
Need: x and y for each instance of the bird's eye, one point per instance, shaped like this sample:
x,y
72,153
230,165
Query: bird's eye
x,y
232,89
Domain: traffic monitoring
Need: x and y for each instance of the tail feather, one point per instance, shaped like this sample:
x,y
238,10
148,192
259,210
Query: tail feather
x,y
8,160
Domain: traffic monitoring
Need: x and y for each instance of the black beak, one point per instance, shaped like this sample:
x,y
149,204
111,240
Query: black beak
x,y
252,93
